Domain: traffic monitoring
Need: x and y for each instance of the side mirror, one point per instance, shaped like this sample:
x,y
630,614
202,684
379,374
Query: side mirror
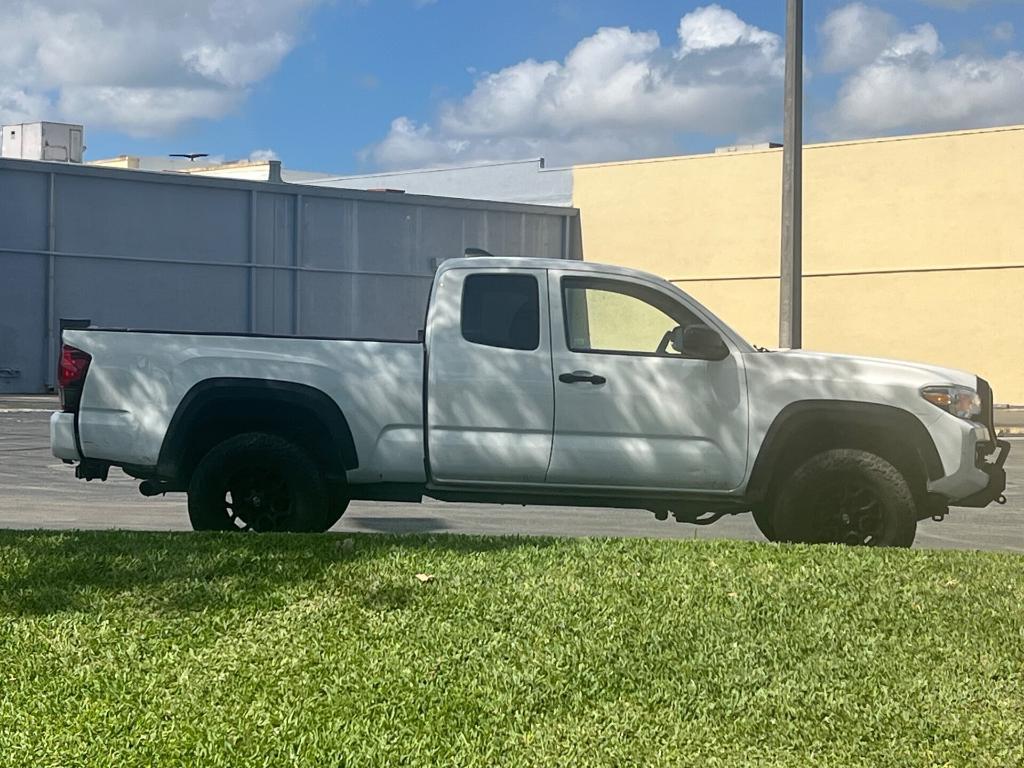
x,y
700,342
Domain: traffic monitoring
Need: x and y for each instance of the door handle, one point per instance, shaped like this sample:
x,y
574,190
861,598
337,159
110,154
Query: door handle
x,y
575,376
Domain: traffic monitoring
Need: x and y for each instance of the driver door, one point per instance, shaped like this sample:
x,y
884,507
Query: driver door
x,y
630,411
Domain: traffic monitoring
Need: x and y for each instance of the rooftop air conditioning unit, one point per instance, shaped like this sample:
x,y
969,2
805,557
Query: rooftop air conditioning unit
x,y
58,142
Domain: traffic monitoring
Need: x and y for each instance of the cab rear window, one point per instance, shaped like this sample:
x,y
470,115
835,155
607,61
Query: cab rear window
x,y
501,310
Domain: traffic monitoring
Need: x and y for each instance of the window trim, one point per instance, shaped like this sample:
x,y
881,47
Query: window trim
x,y
462,310
601,283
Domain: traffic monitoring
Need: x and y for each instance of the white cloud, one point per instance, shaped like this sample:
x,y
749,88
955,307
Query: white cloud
x,y
261,155
714,27
911,85
618,93
144,68
921,41
236,64
143,111
20,106
854,35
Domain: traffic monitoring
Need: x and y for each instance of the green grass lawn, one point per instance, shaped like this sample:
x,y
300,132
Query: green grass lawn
x,y
150,649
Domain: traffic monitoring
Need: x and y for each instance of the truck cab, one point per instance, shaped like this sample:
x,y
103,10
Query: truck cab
x,y
569,378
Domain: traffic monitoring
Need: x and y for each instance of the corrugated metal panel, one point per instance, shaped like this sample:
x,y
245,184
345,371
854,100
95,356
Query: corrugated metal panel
x,y
129,248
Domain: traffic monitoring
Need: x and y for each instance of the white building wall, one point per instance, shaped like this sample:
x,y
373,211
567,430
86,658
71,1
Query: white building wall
x,y
516,181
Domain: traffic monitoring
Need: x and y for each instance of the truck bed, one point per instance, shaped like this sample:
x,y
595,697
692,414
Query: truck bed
x,y
137,380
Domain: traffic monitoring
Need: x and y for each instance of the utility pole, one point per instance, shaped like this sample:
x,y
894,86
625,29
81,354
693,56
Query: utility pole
x,y
790,289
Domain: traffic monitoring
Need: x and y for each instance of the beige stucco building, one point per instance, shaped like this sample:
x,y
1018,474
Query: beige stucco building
x,y
913,246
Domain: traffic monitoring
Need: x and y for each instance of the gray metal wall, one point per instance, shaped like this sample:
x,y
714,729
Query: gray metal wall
x,y
148,250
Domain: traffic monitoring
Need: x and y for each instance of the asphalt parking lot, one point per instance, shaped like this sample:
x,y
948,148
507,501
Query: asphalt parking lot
x,y
38,491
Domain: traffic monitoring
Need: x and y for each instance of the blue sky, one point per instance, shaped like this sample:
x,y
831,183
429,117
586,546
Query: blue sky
x,y
349,86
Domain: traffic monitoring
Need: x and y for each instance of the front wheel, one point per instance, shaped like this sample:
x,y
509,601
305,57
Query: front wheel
x,y
258,482
763,517
846,496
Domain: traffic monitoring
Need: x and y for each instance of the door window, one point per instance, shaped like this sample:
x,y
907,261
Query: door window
x,y
620,318
501,311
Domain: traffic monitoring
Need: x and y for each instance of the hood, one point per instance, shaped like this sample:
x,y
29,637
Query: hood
x,y
788,376
857,365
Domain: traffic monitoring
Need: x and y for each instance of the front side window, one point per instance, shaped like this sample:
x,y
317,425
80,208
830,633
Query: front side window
x,y
501,311
617,317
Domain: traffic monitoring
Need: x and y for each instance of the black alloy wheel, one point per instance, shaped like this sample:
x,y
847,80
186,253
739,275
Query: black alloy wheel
x,y
259,482
851,513
259,499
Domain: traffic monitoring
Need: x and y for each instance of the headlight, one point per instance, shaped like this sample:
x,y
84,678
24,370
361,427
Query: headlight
x,y
960,401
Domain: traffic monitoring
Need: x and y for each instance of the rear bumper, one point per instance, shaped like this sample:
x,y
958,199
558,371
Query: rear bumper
x,y
62,436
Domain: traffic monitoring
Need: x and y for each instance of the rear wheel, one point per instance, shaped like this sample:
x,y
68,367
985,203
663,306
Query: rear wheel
x,y
336,508
258,482
846,496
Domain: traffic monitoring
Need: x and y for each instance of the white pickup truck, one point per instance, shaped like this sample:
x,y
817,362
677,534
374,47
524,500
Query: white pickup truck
x,y
535,381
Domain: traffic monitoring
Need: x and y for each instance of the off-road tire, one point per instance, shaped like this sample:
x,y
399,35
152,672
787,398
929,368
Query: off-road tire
x,y
245,465
336,507
845,496
763,518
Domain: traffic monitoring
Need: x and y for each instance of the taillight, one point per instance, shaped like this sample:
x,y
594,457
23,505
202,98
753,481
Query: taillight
x,y
74,364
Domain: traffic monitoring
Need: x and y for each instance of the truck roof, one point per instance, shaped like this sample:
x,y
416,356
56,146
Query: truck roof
x,y
525,262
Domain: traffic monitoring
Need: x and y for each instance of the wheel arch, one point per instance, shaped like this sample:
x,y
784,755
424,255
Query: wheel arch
x,y
809,426
217,408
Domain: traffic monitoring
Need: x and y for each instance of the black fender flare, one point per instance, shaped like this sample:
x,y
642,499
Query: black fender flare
x,y
795,417
174,449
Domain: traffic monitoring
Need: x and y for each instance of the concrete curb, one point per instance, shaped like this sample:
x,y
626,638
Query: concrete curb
x,y
29,403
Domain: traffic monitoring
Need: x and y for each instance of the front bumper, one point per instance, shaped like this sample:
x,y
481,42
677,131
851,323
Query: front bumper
x,y
991,463
973,457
